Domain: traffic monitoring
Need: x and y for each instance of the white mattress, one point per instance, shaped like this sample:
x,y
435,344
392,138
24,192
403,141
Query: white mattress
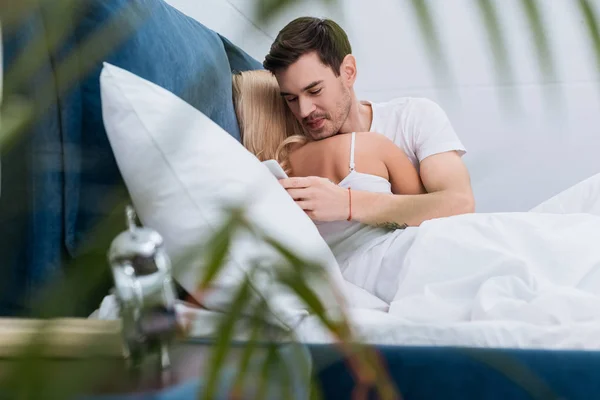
x,y
378,327
554,329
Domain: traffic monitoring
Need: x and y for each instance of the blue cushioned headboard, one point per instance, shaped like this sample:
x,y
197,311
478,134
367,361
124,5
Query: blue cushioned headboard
x,y
154,41
31,226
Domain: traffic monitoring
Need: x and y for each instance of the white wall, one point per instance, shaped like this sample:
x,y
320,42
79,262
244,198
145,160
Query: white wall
x,y
549,141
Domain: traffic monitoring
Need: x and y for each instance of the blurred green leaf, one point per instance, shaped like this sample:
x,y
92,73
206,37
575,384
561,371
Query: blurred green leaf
x,y
433,46
12,13
33,372
218,247
536,24
26,377
297,283
250,347
427,27
591,22
71,69
17,114
306,267
515,371
504,75
283,373
265,372
491,24
364,364
33,375
31,58
223,343
302,367
266,10
81,275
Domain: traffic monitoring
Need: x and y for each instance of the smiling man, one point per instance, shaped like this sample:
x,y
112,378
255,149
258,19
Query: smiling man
x,y
314,66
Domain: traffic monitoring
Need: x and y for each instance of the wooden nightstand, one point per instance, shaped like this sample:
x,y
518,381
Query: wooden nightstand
x,y
85,357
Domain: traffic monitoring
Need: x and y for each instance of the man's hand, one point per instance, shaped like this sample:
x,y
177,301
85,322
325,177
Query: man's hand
x,y
321,199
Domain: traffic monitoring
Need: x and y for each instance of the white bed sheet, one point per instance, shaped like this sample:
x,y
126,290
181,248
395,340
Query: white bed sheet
x,y
374,324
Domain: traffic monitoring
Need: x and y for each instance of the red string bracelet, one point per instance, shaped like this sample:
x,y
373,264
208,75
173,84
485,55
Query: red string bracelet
x,y
349,205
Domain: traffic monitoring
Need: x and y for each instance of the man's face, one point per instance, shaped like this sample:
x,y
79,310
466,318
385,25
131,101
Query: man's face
x,y
318,98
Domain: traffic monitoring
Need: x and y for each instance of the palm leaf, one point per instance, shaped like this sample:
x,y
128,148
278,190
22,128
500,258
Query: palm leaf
x,y
514,371
17,114
367,368
491,24
591,22
266,371
250,347
56,300
266,10
73,67
297,282
29,61
284,374
218,247
536,24
222,345
428,30
302,363
12,13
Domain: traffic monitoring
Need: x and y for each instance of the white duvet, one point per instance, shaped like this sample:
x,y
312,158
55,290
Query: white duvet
x,y
520,280
530,267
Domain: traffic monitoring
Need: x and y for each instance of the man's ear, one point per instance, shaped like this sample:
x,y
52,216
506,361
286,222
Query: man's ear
x,y
348,70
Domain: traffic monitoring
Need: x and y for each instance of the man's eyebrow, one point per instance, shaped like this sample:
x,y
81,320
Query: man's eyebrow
x,y
312,85
308,87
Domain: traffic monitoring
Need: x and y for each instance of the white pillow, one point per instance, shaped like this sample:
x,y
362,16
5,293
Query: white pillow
x,y
181,169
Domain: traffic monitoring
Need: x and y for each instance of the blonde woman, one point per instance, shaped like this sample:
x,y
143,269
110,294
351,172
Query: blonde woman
x,y
270,131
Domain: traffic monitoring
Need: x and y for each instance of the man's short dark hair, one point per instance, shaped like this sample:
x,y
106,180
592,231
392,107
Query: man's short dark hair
x,y
305,35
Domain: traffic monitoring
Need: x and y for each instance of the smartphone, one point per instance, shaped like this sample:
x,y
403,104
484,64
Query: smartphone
x,y
275,169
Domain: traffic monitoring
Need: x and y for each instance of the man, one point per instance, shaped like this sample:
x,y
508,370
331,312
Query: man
x,y
314,66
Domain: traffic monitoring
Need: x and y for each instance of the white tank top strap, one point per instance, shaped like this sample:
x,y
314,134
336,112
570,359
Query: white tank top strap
x,y
352,151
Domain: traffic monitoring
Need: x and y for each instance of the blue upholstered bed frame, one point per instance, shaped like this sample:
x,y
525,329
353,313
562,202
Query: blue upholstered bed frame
x,y
61,180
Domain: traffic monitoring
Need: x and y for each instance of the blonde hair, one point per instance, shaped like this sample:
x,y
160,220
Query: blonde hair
x,y
267,126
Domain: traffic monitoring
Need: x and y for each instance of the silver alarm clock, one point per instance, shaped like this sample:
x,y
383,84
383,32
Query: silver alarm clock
x,y
145,292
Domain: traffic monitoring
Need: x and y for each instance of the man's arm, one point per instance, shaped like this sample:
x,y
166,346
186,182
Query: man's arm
x,y
442,171
449,192
444,176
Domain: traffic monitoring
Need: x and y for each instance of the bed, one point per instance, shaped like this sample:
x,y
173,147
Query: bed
x,y
488,359
376,325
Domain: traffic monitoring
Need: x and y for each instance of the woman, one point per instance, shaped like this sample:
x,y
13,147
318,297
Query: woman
x,y
528,266
270,131
363,161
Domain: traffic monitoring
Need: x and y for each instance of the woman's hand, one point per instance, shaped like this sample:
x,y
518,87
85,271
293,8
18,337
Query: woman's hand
x,y
321,199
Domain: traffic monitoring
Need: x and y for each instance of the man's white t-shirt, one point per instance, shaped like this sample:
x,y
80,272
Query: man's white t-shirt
x,y
418,126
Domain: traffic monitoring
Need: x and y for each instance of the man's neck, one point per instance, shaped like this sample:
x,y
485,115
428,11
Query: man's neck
x,y
359,119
